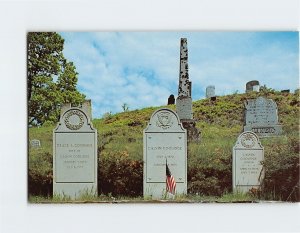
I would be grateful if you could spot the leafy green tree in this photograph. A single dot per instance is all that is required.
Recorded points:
(46, 62)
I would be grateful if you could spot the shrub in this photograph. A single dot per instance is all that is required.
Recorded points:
(120, 175)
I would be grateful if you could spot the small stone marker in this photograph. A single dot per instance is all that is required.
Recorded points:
(210, 91)
(252, 86)
(262, 117)
(171, 100)
(35, 143)
(165, 140)
(247, 163)
(74, 154)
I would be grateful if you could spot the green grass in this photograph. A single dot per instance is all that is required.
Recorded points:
(226, 198)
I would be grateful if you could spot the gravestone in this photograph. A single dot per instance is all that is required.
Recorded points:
(35, 143)
(252, 86)
(261, 117)
(171, 100)
(210, 91)
(247, 163)
(74, 154)
(184, 99)
(165, 141)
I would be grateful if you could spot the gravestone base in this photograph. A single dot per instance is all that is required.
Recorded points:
(74, 190)
(157, 191)
(193, 134)
(264, 131)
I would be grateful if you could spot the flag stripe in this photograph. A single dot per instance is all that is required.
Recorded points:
(170, 181)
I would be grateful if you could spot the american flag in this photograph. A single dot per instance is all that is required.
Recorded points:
(170, 181)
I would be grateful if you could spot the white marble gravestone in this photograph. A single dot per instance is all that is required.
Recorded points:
(165, 139)
(35, 143)
(247, 163)
(261, 117)
(210, 91)
(74, 154)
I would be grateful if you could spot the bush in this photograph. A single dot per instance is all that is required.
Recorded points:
(40, 175)
(120, 175)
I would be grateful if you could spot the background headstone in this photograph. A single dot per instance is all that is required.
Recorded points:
(35, 143)
(252, 86)
(261, 117)
(210, 91)
(247, 163)
(164, 139)
(74, 154)
(171, 100)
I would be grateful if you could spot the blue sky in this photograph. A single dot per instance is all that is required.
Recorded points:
(142, 68)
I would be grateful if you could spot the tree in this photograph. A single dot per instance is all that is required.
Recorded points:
(125, 107)
(46, 61)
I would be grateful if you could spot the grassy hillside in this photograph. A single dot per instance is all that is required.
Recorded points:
(120, 150)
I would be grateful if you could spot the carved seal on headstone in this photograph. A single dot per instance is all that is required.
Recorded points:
(164, 120)
(74, 120)
(248, 140)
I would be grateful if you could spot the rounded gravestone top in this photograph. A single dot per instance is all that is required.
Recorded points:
(164, 120)
(73, 120)
(248, 140)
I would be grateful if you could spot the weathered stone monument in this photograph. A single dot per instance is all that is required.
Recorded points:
(184, 99)
(35, 143)
(74, 154)
(171, 100)
(210, 91)
(261, 117)
(247, 163)
(252, 86)
(165, 141)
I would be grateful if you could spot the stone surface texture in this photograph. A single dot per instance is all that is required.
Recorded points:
(164, 141)
(247, 163)
(74, 154)
(261, 117)
(210, 91)
(252, 86)
(184, 101)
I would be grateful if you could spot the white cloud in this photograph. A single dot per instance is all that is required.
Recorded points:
(141, 69)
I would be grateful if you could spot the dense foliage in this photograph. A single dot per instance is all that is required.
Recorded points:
(46, 63)
(120, 151)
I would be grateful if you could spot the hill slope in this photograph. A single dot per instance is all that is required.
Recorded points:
(120, 150)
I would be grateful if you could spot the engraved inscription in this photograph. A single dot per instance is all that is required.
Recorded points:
(161, 151)
(75, 158)
(248, 168)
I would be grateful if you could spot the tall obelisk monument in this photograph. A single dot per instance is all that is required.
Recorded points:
(184, 99)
